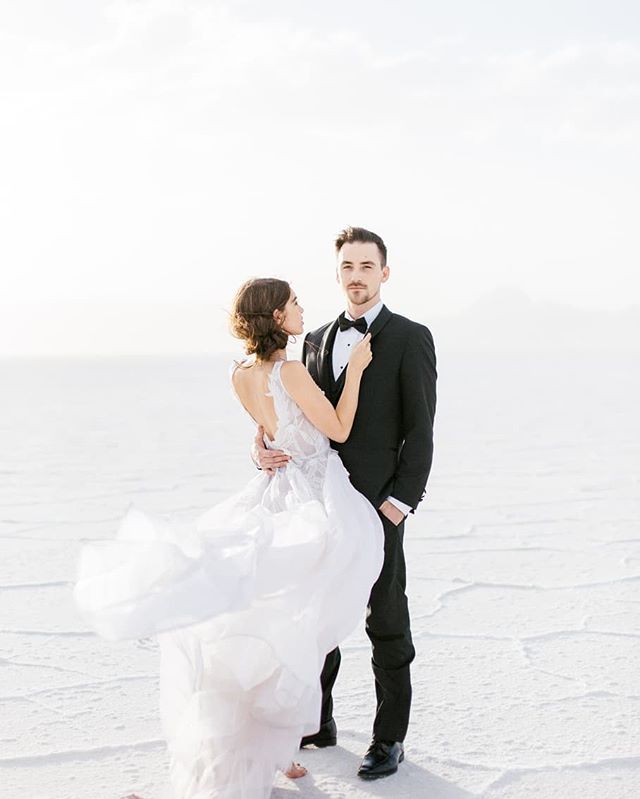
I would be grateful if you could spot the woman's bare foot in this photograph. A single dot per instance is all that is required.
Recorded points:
(295, 771)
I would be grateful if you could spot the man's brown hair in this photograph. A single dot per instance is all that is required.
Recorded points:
(350, 234)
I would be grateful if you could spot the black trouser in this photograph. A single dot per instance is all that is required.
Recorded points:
(388, 628)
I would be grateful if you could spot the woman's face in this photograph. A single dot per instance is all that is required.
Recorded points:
(292, 322)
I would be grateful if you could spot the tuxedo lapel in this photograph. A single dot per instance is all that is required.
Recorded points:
(376, 326)
(380, 321)
(325, 365)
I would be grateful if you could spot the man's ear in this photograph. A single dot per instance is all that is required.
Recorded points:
(385, 273)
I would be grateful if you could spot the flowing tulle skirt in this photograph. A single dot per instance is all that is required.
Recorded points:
(246, 604)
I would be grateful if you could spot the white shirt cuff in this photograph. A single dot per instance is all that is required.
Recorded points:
(406, 509)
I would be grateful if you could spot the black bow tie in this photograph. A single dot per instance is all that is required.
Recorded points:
(359, 324)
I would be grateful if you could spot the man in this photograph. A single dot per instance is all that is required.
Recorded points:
(388, 456)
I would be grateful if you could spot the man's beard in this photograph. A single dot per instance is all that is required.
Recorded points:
(362, 298)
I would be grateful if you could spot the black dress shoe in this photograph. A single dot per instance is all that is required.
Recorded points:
(382, 759)
(327, 735)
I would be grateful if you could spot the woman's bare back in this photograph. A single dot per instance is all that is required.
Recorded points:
(251, 385)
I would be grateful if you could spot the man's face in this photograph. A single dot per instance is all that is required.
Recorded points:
(360, 271)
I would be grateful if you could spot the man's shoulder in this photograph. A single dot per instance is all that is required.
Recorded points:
(409, 326)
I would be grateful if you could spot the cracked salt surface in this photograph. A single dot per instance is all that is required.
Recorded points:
(524, 580)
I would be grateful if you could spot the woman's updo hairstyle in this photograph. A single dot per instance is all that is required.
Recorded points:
(252, 318)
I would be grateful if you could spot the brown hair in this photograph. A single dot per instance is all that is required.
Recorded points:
(350, 234)
(252, 318)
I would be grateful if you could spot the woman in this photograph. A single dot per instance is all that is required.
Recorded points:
(247, 604)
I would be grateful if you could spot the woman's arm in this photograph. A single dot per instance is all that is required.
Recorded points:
(335, 423)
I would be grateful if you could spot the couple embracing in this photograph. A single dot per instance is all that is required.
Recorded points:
(251, 603)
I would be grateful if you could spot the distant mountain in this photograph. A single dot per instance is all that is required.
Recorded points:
(508, 320)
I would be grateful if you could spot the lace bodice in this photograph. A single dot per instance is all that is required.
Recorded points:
(308, 447)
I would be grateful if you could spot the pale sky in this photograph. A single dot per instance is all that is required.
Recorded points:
(155, 154)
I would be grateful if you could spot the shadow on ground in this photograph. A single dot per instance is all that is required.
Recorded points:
(332, 775)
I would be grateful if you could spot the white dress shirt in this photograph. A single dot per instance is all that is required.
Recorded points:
(344, 342)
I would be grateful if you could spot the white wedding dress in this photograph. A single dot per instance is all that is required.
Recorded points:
(246, 604)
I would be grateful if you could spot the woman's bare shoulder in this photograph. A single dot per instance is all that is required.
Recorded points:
(294, 373)
(293, 366)
(294, 369)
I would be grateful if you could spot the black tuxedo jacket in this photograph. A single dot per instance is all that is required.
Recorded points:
(390, 449)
